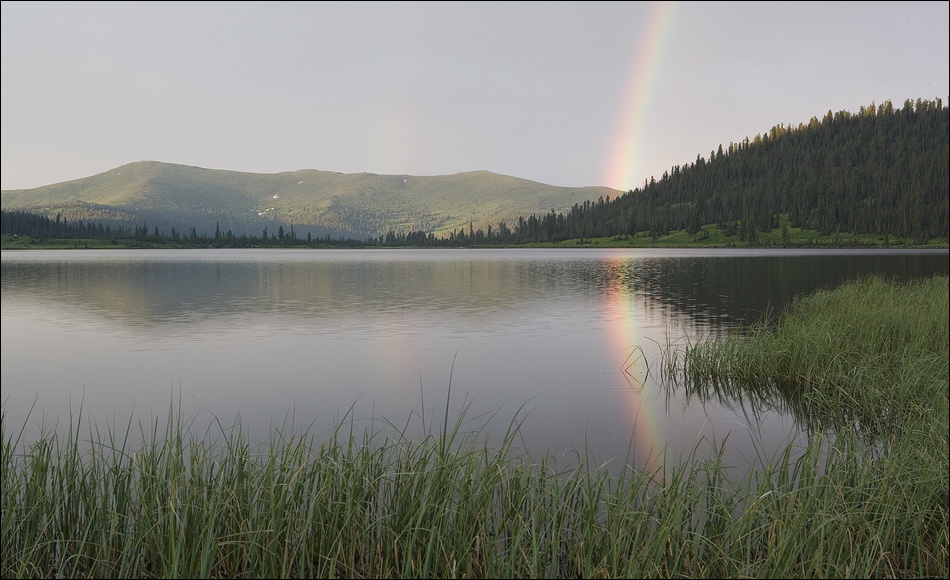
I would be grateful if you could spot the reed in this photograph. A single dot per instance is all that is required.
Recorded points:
(360, 507)
(872, 353)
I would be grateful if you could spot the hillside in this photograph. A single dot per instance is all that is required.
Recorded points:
(167, 196)
(881, 171)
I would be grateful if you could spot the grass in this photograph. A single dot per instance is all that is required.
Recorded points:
(871, 353)
(715, 237)
(211, 503)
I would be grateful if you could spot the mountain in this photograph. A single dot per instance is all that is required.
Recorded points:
(166, 196)
(882, 171)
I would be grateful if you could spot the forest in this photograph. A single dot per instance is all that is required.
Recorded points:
(882, 171)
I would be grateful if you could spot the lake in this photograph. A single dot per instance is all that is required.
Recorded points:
(567, 341)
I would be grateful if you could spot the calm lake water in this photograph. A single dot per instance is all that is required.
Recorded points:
(566, 340)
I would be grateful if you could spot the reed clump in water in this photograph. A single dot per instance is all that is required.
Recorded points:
(446, 505)
(872, 352)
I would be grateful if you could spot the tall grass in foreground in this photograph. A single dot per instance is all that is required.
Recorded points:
(380, 505)
(298, 508)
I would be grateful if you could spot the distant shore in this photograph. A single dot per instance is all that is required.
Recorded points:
(799, 239)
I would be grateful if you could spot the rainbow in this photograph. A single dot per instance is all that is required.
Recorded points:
(396, 128)
(625, 334)
(623, 169)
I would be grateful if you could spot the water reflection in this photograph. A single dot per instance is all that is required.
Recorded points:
(577, 334)
(752, 400)
(181, 287)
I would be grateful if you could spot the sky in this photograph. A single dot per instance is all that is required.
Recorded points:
(562, 93)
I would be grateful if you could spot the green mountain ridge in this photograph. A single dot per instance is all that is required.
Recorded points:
(166, 196)
(882, 171)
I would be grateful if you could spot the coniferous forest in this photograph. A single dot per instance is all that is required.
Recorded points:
(881, 171)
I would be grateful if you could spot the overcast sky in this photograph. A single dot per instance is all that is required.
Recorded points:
(569, 94)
